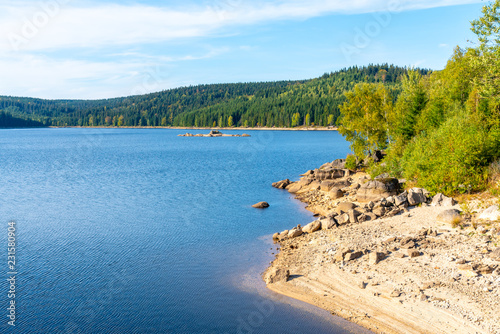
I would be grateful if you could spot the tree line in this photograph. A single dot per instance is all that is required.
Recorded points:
(264, 104)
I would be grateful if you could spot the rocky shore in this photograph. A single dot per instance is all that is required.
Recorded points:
(390, 259)
(213, 133)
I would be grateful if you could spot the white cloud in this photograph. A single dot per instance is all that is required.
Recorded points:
(29, 29)
(443, 45)
(49, 78)
(42, 26)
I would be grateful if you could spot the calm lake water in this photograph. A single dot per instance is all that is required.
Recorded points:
(141, 231)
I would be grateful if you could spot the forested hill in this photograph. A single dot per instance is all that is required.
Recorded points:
(280, 104)
(8, 121)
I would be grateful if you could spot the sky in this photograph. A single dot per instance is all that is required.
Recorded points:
(70, 49)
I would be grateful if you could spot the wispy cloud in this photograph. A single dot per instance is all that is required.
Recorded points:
(98, 25)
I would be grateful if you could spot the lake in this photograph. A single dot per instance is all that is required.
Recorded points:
(141, 231)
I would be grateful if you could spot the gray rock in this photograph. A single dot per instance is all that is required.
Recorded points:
(353, 256)
(413, 253)
(390, 200)
(295, 232)
(339, 255)
(343, 219)
(376, 190)
(492, 213)
(283, 235)
(261, 205)
(327, 185)
(449, 217)
(441, 200)
(312, 227)
(282, 184)
(416, 196)
(315, 185)
(379, 212)
(329, 174)
(328, 223)
(375, 257)
(277, 275)
(495, 255)
(370, 216)
(294, 187)
(344, 207)
(353, 215)
(336, 193)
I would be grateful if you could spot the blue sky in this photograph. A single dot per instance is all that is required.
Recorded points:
(103, 49)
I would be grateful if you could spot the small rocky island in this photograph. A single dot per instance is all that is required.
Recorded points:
(213, 133)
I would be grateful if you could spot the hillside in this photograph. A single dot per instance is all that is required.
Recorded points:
(281, 103)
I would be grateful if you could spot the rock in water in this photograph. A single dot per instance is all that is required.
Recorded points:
(277, 275)
(449, 217)
(282, 184)
(261, 205)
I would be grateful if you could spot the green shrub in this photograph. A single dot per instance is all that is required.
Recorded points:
(350, 162)
(453, 158)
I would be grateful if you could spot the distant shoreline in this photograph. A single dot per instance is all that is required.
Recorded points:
(319, 128)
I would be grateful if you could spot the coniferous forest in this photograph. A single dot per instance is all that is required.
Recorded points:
(266, 104)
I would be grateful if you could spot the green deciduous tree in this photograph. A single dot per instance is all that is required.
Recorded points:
(364, 117)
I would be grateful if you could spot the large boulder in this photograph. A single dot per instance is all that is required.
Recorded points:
(294, 187)
(416, 196)
(344, 207)
(261, 205)
(283, 235)
(375, 257)
(282, 184)
(336, 193)
(401, 198)
(328, 223)
(492, 213)
(295, 232)
(441, 200)
(327, 185)
(378, 189)
(312, 227)
(353, 215)
(343, 219)
(276, 275)
(449, 217)
(329, 174)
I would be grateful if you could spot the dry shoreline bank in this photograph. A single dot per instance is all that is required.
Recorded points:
(405, 271)
(195, 128)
